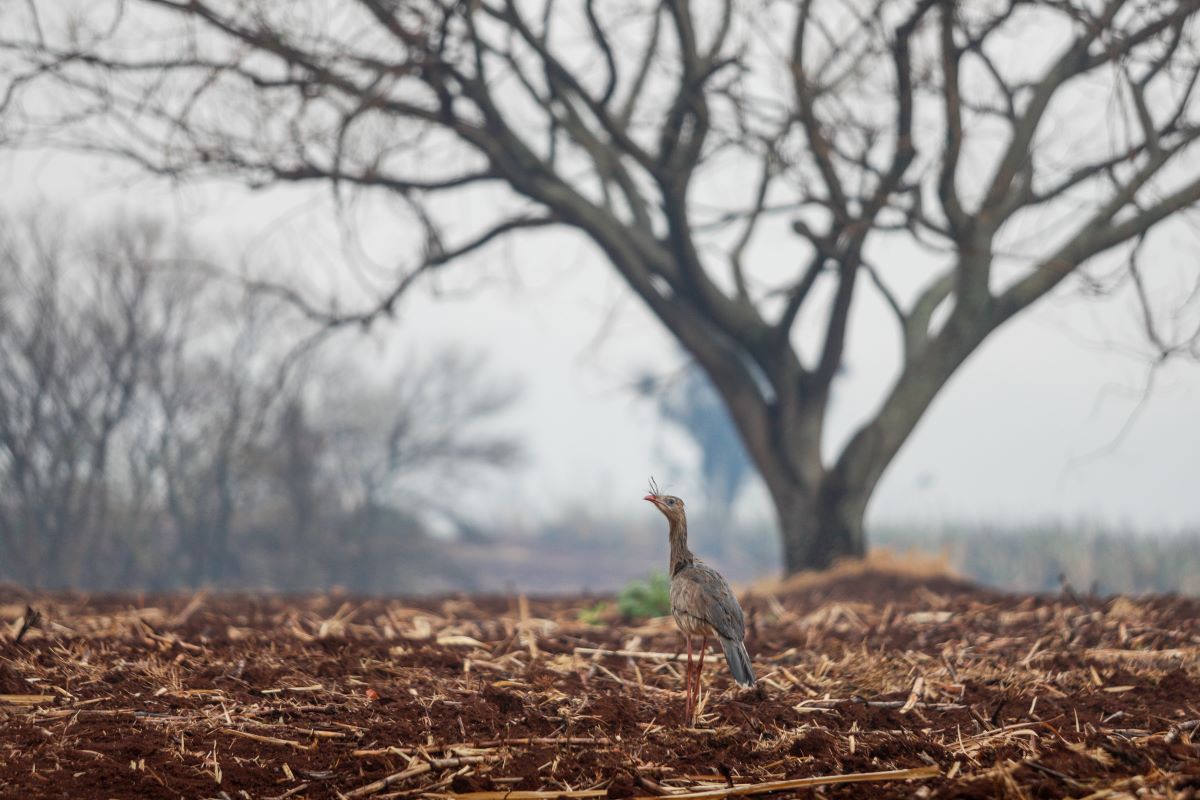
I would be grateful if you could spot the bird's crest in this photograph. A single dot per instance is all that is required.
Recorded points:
(654, 487)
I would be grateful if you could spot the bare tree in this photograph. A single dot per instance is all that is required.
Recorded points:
(216, 397)
(690, 403)
(867, 126)
(159, 427)
(378, 460)
(428, 427)
(77, 331)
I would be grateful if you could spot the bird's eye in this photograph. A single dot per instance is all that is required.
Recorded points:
(671, 502)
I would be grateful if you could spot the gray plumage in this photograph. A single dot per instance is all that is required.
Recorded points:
(704, 605)
(701, 601)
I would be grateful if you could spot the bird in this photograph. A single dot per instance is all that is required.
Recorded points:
(701, 602)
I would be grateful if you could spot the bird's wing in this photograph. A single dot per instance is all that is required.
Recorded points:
(706, 595)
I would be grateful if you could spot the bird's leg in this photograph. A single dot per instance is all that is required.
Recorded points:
(700, 667)
(688, 701)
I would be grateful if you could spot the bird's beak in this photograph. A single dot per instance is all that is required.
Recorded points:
(651, 498)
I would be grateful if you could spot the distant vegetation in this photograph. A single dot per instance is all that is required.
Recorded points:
(161, 428)
(1093, 558)
(599, 555)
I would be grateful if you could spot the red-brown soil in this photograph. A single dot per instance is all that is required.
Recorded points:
(245, 696)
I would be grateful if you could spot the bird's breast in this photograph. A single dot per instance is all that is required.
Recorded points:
(691, 625)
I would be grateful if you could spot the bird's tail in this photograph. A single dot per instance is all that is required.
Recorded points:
(739, 661)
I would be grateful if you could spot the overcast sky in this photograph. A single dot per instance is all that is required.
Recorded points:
(1049, 419)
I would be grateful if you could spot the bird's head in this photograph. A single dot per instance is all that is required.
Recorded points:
(669, 505)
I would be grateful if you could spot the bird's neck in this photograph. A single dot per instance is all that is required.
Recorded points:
(680, 555)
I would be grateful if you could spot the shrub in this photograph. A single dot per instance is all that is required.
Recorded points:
(648, 598)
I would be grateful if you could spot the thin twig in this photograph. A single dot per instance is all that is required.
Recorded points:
(269, 739)
(412, 770)
(648, 655)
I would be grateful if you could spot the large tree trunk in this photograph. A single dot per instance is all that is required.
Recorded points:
(817, 528)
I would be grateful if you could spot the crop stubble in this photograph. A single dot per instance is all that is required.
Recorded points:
(975, 693)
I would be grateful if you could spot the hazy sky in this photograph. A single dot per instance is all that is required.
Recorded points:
(1046, 420)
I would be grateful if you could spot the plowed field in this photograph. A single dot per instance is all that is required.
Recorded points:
(909, 685)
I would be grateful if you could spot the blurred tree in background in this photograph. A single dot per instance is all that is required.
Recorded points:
(77, 343)
(155, 432)
(688, 401)
(1000, 145)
